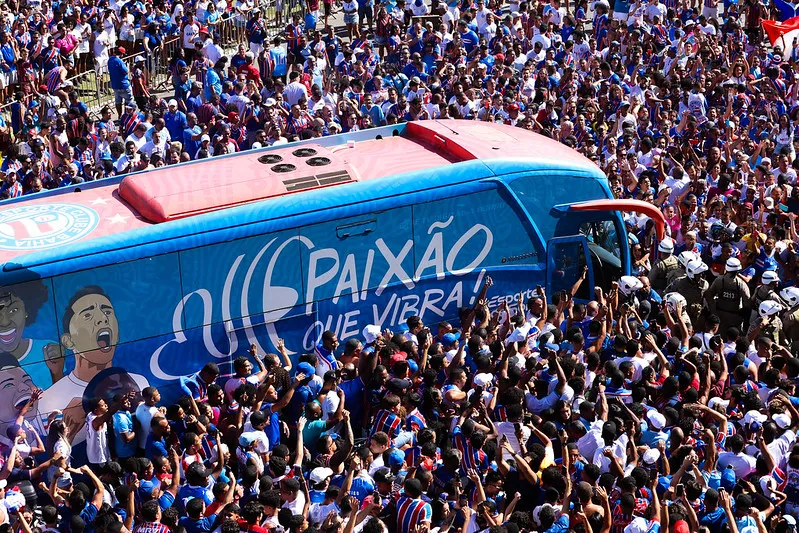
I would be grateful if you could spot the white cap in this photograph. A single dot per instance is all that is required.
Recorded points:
(782, 420)
(656, 420)
(651, 456)
(717, 401)
(371, 333)
(666, 245)
(172, 103)
(768, 202)
(754, 416)
(483, 379)
(204, 138)
(733, 265)
(255, 145)
(138, 59)
(319, 474)
(769, 276)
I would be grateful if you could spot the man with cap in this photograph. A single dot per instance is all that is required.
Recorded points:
(654, 433)
(139, 82)
(120, 81)
(767, 290)
(728, 296)
(175, 120)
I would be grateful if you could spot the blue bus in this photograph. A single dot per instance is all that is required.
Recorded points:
(138, 280)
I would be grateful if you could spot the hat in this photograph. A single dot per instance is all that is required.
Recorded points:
(450, 338)
(483, 379)
(247, 438)
(754, 416)
(270, 102)
(371, 333)
(130, 105)
(172, 103)
(651, 456)
(656, 420)
(782, 420)
(681, 526)
(306, 368)
(205, 138)
(396, 458)
(320, 474)
(728, 478)
(398, 384)
(138, 59)
(768, 202)
(122, 50)
(766, 160)
(384, 475)
(415, 80)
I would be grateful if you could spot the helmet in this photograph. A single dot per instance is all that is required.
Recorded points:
(695, 268)
(733, 265)
(790, 295)
(769, 308)
(630, 284)
(719, 233)
(674, 298)
(769, 276)
(666, 246)
(686, 257)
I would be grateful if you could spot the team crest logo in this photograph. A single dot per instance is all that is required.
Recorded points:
(38, 227)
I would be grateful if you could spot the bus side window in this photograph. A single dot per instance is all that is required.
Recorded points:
(462, 234)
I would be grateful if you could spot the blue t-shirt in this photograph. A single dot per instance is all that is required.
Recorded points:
(123, 423)
(118, 72)
(203, 525)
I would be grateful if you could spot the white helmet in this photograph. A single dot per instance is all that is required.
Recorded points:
(630, 284)
(674, 298)
(769, 277)
(686, 257)
(790, 295)
(733, 265)
(769, 308)
(666, 246)
(695, 268)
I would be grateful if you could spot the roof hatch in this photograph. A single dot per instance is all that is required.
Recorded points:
(218, 183)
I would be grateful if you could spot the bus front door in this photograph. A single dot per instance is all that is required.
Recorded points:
(567, 258)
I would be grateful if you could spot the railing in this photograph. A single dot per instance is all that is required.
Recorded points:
(94, 86)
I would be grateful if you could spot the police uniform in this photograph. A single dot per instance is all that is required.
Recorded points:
(727, 298)
(664, 269)
(760, 295)
(790, 328)
(693, 290)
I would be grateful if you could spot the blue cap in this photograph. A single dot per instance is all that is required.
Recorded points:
(450, 338)
(554, 347)
(728, 478)
(396, 458)
(306, 368)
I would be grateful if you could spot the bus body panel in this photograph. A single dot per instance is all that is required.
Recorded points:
(160, 302)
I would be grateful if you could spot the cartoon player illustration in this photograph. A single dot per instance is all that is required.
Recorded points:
(43, 359)
(91, 333)
(18, 396)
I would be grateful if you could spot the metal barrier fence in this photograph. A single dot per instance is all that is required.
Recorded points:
(94, 85)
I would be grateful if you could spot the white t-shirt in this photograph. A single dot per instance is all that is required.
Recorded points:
(144, 415)
(96, 442)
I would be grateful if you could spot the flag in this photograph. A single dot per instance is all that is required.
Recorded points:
(775, 30)
(787, 9)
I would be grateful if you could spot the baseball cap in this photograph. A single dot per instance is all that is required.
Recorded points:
(656, 420)
(651, 456)
(205, 138)
(384, 475)
(306, 368)
(320, 474)
(396, 458)
(138, 59)
(247, 438)
(172, 103)
(782, 420)
(450, 338)
(416, 80)
(728, 478)
(398, 384)
(370, 333)
(122, 50)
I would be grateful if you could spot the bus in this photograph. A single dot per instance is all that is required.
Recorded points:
(138, 280)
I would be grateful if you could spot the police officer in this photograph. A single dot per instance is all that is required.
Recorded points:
(666, 269)
(769, 324)
(692, 286)
(728, 296)
(767, 291)
(790, 318)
